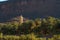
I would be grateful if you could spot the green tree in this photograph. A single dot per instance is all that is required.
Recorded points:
(38, 22)
(52, 24)
(27, 27)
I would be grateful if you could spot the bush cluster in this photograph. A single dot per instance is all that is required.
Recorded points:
(38, 26)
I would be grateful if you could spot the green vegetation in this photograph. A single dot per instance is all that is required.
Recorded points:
(38, 29)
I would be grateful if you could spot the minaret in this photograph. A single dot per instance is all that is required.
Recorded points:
(21, 19)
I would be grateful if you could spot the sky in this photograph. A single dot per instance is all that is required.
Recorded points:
(3, 0)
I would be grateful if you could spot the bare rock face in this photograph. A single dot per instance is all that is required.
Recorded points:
(28, 8)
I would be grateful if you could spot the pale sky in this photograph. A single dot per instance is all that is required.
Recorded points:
(3, 0)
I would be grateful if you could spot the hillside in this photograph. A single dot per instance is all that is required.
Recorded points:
(29, 8)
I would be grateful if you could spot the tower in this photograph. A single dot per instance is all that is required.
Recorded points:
(21, 19)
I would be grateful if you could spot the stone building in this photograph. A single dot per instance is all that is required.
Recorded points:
(21, 19)
(18, 19)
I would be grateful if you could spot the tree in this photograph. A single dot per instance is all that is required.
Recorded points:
(52, 24)
(38, 22)
(26, 27)
(44, 27)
